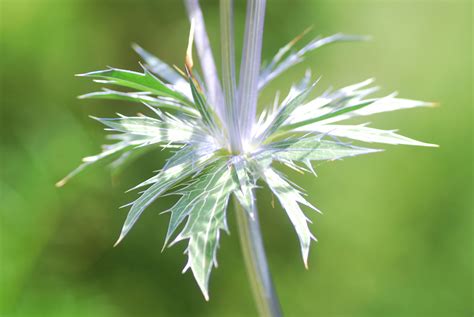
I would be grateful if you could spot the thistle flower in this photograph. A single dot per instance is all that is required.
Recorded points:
(222, 147)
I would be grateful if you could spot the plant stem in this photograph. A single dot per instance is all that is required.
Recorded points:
(256, 262)
(250, 66)
(229, 81)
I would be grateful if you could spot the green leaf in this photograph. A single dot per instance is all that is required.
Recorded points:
(180, 166)
(191, 157)
(290, 198)
(346, 103)
(245, 185)
(207, 114)
(139, 81)
(141, 97)
(127, 142)
(285, 59)
(204, 202)
(158, 67)
(299, 87)
(382, 105)
(329, 115)
(362, 133)
(286, 110)
(309, 148)
(171, 131)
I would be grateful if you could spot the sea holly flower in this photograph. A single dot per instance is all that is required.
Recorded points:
(222, 148)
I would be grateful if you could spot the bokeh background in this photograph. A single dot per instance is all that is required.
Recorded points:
(396, 237)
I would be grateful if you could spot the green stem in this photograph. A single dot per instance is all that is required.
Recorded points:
(228, 74)
(250, 65)
(256, 263)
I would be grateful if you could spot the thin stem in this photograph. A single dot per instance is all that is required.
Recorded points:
(214, 90)
(250, 66)
(256, 262)
(228, 73)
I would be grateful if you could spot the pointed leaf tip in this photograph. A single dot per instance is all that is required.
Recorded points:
(60, 183)
(206, 295)
(118, 240)
(189, 51)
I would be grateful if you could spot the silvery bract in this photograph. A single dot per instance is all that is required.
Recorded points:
(221, 146)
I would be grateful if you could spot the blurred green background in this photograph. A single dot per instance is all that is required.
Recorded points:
(396, 237)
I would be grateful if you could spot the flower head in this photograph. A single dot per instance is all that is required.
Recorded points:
(221, 146)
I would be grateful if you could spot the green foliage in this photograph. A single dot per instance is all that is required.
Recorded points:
(313, 148)
(285, 58)
(245, 182)
(290, 198)
(140, 81)
(143, 97)
(181, 165)
(204, 203)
